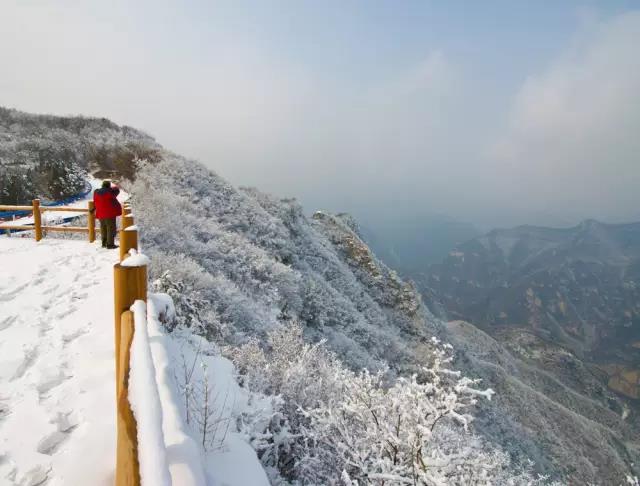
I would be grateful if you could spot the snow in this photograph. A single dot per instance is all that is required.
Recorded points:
(161, 308)
(146, 405)
(131, 228)
(135, 259)
(182, 452)
(228, 459)
(57, 390)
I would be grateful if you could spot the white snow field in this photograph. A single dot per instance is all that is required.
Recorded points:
(57, 389)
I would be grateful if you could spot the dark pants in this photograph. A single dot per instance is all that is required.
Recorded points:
(108, 231)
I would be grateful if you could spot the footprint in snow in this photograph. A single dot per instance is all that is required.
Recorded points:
(28, 358)
(7, 321)
(36, 476)
(70, 310)
(4, 412)
(48, 383)
(49, 444)
(44, 327)
(12, 293)
(50, 290)
(68, 338)
(65, 421)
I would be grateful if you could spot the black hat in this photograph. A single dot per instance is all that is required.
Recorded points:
(106, 183)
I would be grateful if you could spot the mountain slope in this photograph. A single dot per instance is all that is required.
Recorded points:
(240, 264)
(258, 260)
(579, 287)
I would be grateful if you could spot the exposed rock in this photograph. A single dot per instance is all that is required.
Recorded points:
(623, 380)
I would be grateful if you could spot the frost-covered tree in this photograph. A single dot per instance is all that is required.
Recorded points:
(192, 310)
(337, 426)
(57, 152)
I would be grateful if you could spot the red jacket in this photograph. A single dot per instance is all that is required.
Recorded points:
(107, 206)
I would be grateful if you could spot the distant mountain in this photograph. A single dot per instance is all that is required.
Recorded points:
(578, 287)
(410, 246)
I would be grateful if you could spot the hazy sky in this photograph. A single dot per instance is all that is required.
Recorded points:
(496, 112)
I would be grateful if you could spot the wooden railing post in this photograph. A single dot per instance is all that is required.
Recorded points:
(130, 284)
(127, 220)
(127, 464)
(91, 222)
(37, 220)
(128, 240)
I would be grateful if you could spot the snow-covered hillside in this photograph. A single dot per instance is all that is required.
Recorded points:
(294, 345)
(49, 156)
(260, 280)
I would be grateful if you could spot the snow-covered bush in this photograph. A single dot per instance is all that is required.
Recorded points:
(337, 426)
(192, 310)
(257, 260)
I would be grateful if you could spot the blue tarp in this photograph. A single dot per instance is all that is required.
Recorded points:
(10, 214)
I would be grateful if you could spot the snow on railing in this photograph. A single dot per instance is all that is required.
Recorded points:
(183, 453)
(145, 403)
(130, 286)
(152, 447)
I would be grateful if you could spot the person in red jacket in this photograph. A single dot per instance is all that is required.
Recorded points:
(107, 210)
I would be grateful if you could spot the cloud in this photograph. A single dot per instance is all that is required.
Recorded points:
(572, 143)
(410, 136)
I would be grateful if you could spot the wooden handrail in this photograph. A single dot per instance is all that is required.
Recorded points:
(16, 227)
(38, 228)
(127, 464)
(64, 208)
(130, 284)
(15, 208)
(70, 209)
(70, 229)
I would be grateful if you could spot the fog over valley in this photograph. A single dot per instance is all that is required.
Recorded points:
(493, 115)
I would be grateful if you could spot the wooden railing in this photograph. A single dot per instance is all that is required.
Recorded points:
(37, 226)
(130, 284)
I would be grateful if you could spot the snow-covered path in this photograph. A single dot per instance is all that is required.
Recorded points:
(57, 391)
